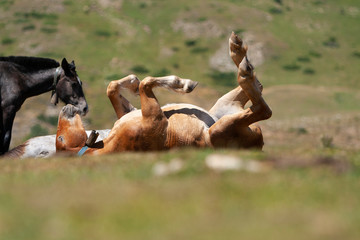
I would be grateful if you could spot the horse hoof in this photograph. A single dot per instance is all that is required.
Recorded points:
(189, 85)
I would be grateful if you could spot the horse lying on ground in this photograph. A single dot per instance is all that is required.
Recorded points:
(24, 77)
(226, 124)
(43, 146)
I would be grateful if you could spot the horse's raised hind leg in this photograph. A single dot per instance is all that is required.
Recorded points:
(232, 102)
(235, 100)
(120, 104)
(236, 130)
(154, 122)
(237, 49)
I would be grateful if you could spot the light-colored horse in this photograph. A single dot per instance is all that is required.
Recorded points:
(227, 124)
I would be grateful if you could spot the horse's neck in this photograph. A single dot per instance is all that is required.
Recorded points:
(40, 82)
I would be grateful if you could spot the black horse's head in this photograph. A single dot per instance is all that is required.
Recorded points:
(69, 87)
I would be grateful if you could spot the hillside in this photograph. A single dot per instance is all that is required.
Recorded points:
(307, 43)
(304, 185)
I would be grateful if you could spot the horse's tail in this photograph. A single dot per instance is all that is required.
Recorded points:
(16, 152)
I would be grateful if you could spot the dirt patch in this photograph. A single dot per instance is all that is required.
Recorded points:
(115, 4)
(222, 62)
(336, 164)
(50, 6)
(192, 30)
(314, 132)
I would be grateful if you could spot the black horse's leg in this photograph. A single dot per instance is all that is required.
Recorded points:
(2, 133)
(8, 120)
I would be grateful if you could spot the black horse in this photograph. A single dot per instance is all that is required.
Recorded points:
(24, 77)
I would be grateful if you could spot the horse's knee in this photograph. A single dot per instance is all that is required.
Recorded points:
(266, 113)
(146, 82)
(130, 82)
(112, 89)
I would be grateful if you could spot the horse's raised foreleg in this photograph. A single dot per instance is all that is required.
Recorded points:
(121, 105)
(236, 130)
(154, 122)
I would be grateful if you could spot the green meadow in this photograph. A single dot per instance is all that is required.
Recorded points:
(307, 56)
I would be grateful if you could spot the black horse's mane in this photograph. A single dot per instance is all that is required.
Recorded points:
(31, 64)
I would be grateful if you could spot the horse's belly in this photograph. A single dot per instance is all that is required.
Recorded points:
(186, 130)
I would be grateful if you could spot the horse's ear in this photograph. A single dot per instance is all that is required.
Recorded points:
(66, 66)
(72, 65)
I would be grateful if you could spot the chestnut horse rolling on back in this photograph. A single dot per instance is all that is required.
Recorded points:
(226, 124)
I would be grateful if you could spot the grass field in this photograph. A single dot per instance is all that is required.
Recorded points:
(306, 55)
(119, 197)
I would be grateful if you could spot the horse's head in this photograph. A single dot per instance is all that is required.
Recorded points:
(69, 88)
(70, 132)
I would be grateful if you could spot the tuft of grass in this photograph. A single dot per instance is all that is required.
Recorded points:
(162, 72)
(331, 42)
(275, 10)
(303, 59)
(345, 99)
(142, 5)
(318, 2)
(199, 50)
(5, 4)
(202, 19)
(190, 43)
(227, 79)
(356, 54)
(315, 54)
(103, 33)
(52, 120)
(291, 67)
(50, 22)
(141, 69)
(28, 27)
(37, 130)
(327, 142)
(309, 71)
(175, 49)
(299, 130)
(48, 30)
(7, 41)
(239, 30)
(114, 76)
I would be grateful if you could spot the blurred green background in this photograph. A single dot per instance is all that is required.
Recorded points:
(306, 54)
